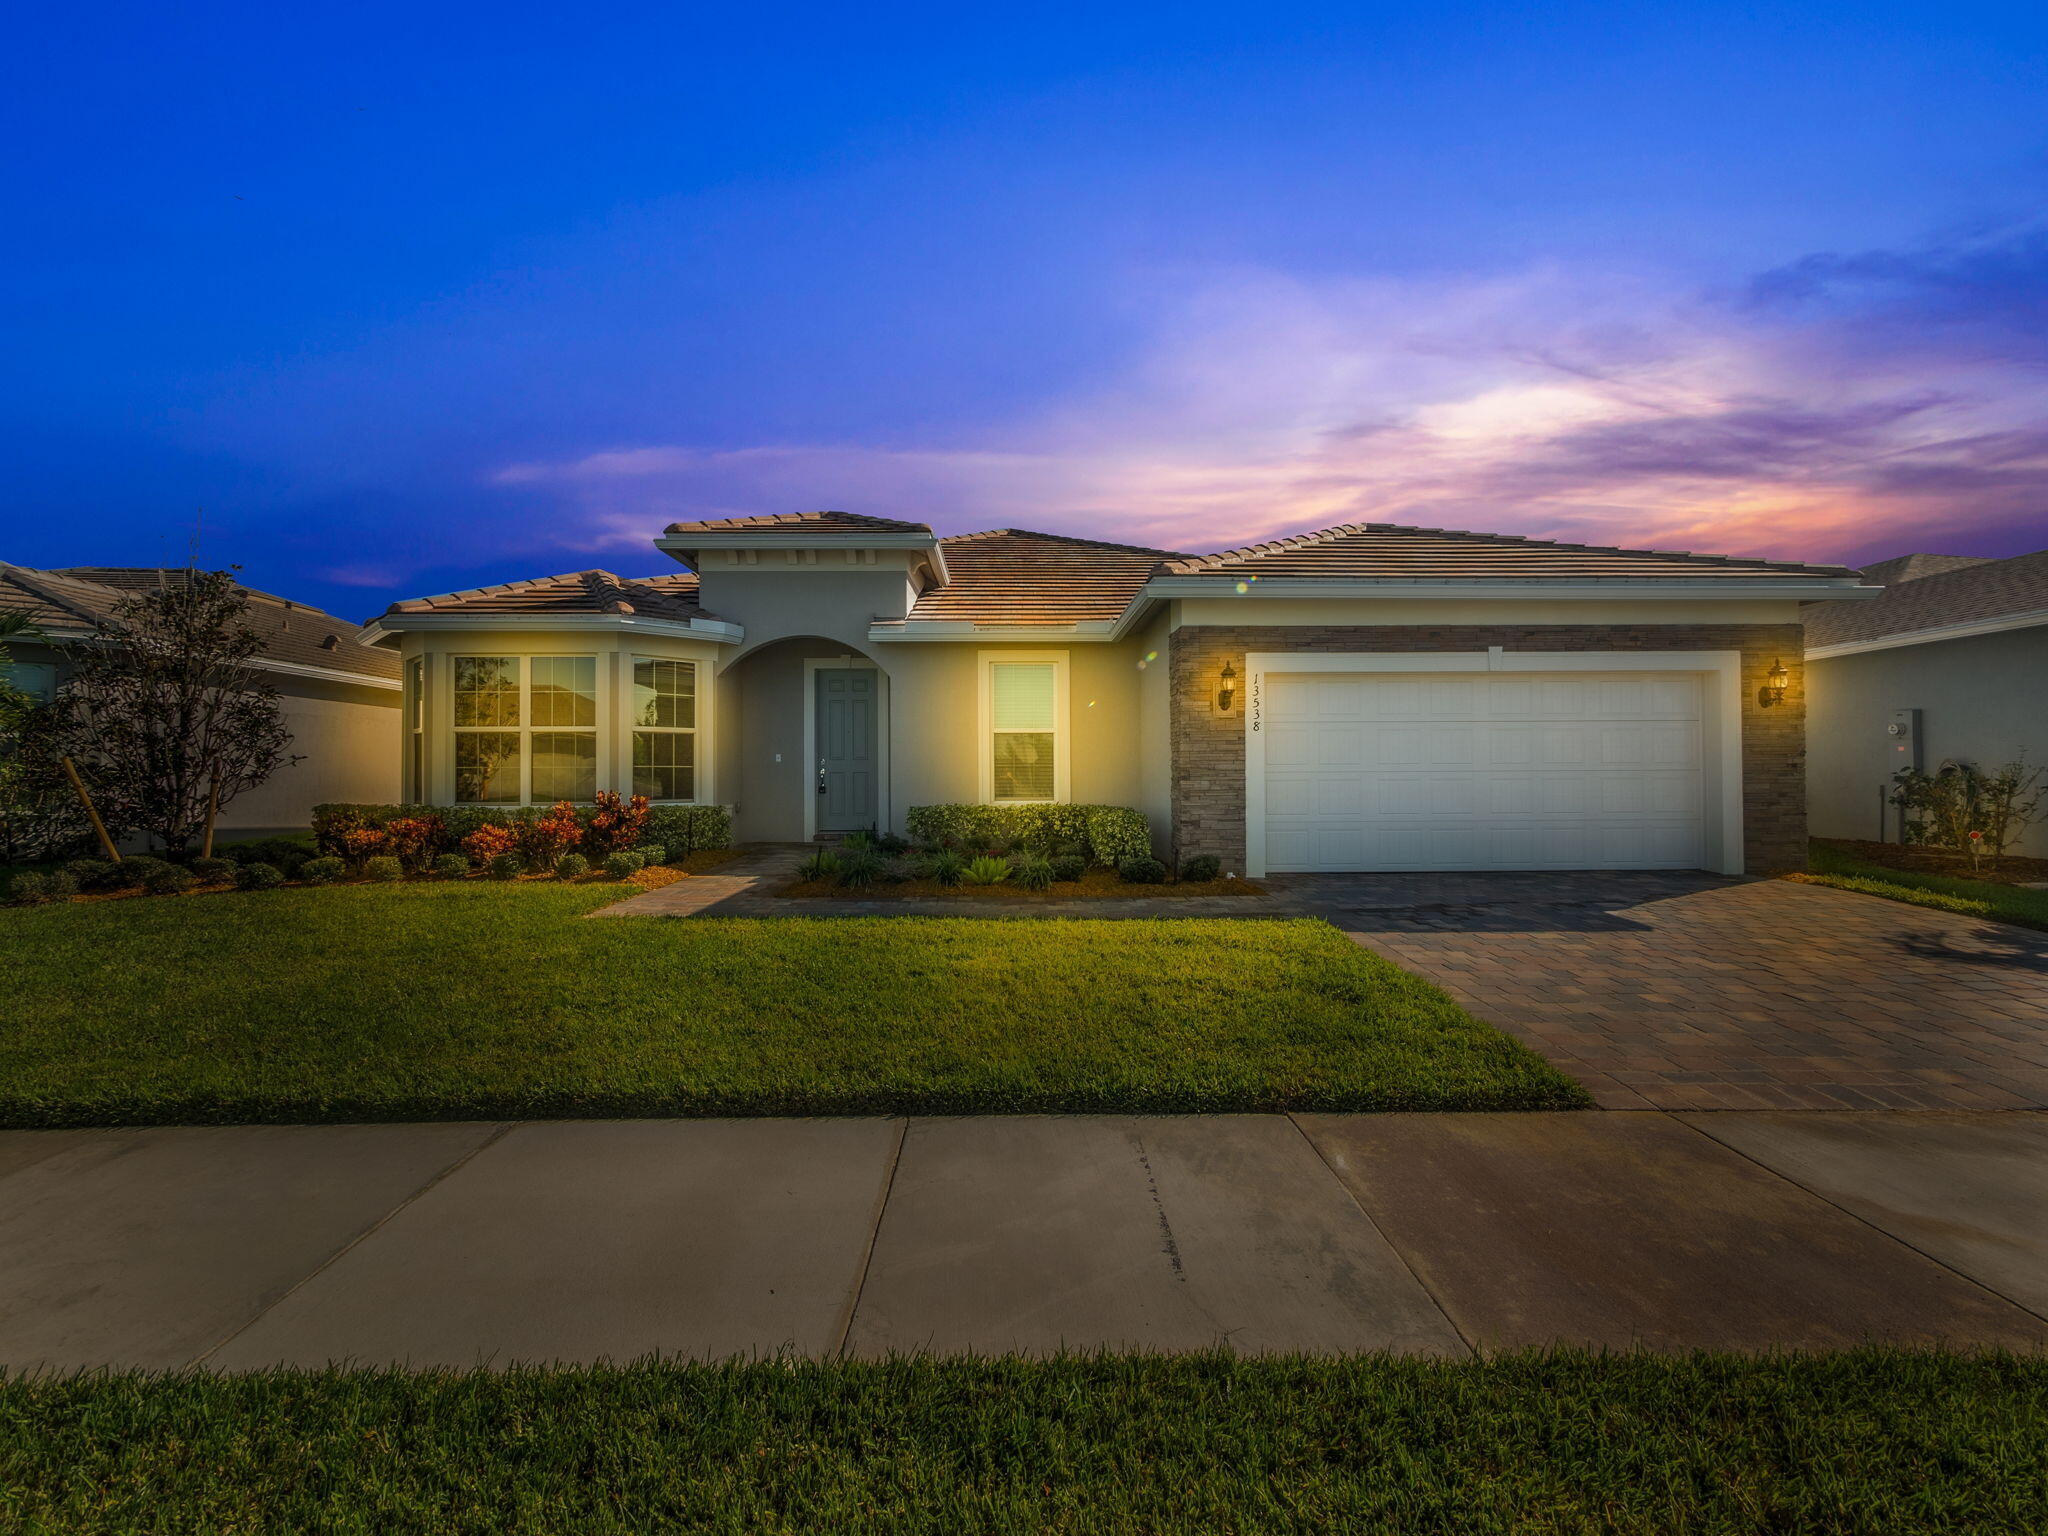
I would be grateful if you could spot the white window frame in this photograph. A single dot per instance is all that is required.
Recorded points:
(699, 737)
(1062, 725)
(415, 704)
(526, 729)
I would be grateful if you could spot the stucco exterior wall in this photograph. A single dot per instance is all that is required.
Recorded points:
(348, 738)
(1983, 700)
(1208, 745)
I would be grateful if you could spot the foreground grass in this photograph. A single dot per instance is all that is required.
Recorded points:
(1945, 893)
(1872, 1441)
(481, 1000)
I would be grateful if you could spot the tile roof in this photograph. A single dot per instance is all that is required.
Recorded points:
(824, 522)
(1986, 589)
(1014, 576)
(74, 602)
(671, 597)
(1392, 552)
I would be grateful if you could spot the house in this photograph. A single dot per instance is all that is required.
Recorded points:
(339, 694)
(1950, 663)
(1365, 697)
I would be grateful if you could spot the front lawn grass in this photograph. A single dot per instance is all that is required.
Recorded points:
(1869, 1441)
(1946, 893)
(481, 1000)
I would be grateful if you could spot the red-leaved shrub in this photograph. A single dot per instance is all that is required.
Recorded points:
(413, 838)
(543, 839)
(487, 842)
(616, 824)
(360, 843)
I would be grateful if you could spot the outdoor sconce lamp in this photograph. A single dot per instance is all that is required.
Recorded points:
(1776, 681)
(1226, 690)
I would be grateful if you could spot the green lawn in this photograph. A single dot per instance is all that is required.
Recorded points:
(480, 1000)
(1878, 1442)
(1947, 893)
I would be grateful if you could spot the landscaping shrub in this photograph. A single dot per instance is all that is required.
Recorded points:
(861, 867)
(327, 868)
(1202, 867)
(857, 842)
(449, 866)
(823, 865)
(414, 839)
(385, 866)
(261, 877)
(505, 866)
(98, 874)
(488, 842)
(28, 888)
(890, 843)
(160, 878)
(359, 844)
(1966, 810)
(616, 825)
(621, 864)
(1033, 871)
(986, 870)
(571, 865)
(213, 871)
(1109, 833)
(652, 853)
(1145, 871)
(1069, 866)
(544, 838)
(687, 829)
(287, 853)
(942, 867)
(59, 886)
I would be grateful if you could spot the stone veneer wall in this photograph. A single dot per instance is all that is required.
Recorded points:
(1208, 747)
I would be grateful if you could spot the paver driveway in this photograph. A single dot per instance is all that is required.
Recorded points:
(1697, 992)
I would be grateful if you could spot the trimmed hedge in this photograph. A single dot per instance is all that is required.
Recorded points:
(679, 829)
(1110, 833)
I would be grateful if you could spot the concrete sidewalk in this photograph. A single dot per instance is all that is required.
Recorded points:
(579, 1240)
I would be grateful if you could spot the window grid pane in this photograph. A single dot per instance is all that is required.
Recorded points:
(486, 690)
(664, 765)
(665, 694)
(487, 767)
(565, 690)
(564, 766)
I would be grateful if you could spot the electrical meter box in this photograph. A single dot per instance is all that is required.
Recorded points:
(1902, 737)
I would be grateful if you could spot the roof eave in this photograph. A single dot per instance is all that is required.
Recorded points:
(954, 631)
(1789, 588)
(386, 628)
(1932, 635)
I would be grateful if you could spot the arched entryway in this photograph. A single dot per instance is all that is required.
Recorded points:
(811, 752)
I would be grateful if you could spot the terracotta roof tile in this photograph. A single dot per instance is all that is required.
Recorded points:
(1391, 552)
(672, 597)
(74, 602)
(830, 522)
(1987, 589)
(1013, 576)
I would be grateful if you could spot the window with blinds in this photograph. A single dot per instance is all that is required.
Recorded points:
(1022, 700)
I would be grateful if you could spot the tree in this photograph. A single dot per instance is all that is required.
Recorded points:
(164, 714)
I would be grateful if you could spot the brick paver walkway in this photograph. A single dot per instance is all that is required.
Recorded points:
(1690, 992)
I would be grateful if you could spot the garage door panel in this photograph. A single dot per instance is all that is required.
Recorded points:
(1484, 772)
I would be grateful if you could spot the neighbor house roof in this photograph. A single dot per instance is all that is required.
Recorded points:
(671, 597)
(1979, 593)
(1392, 552)
(72, 604)
(1912, 567)
(839, 522)
(1014, 576)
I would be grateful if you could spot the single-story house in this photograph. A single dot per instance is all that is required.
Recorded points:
(339, 694)
(1950, 663)
(1367, 697)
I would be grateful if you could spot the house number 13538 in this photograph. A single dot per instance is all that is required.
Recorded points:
(1258, 700)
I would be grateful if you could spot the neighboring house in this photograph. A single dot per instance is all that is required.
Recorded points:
(1954, 655)
(1367, 697)
(339, 694)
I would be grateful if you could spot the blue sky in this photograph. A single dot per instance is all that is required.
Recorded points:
(412, 302)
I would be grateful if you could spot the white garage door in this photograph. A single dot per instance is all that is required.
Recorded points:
(1570, 770)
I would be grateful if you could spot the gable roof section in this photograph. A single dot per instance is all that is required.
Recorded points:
(1912, 567)
(1979, 593)
(1393, 552)
(1014, 576)
(673, 598)
(794, 522)
(73, 604)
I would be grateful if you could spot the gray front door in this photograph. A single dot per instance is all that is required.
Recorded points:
(844, 774)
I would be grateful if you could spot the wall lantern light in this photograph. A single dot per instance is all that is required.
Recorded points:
(1776, 681)
(1226, 690)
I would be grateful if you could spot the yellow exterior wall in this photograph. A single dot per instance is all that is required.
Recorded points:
(347, 737)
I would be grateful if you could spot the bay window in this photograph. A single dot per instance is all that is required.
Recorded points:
(525, 729)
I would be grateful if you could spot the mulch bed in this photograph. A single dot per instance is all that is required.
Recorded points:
(1096, 885)
(2010, 870)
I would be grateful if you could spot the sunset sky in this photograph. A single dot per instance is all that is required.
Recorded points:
(416, 298)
